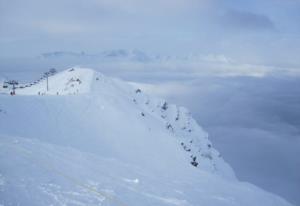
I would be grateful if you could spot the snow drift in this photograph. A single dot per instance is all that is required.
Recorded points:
(93, 140)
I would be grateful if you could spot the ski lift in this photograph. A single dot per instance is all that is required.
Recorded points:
(52, 71)
(13, 83)
(5, 85)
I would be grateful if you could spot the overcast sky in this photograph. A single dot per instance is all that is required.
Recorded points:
(249, 31)
(254, 121)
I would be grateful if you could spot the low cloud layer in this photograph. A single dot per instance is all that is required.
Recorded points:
(138, 65)
(253, 122)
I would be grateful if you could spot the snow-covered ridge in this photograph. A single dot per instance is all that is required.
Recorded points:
(93, 140)
(176, 120)
(193, 139)
(71, 81)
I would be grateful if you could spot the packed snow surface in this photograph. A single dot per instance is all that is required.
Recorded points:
(93, 140)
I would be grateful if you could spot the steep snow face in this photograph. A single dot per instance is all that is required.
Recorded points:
(193, 139)
(90, 138)
(113, 94)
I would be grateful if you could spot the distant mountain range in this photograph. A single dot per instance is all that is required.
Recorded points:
(120, 54)
(135, 56)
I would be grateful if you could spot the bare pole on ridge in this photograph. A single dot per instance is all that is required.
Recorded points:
(51, 72)
(47, 84)
(47, 75)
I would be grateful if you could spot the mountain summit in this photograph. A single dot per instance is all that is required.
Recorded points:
(80, 138)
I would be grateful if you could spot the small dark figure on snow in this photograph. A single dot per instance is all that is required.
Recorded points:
(193, 162)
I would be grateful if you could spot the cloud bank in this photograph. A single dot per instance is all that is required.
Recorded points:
(251, 32)
(253, 122)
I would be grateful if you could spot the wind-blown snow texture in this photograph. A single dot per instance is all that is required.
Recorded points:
(92, 140)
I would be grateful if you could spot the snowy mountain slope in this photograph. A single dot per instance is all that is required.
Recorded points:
(193, 139)
(66, 82)
(38, 173)
(104, 93)
(91, 127)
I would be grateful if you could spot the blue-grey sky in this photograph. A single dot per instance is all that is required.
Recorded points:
(249, 32)
(207, 49)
